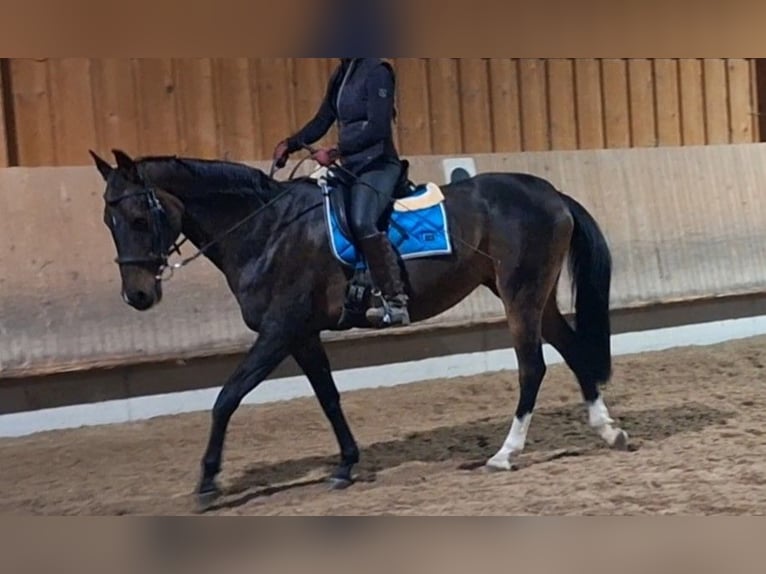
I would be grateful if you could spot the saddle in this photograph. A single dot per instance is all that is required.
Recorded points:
(339, 186)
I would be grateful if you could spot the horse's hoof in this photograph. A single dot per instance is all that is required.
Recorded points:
(498, 465)
(621, 441)
(339, 483)
(206, 498)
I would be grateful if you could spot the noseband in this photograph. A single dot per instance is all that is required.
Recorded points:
(159, 224)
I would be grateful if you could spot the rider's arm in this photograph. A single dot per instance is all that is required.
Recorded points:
(318, 126)
(380, 110)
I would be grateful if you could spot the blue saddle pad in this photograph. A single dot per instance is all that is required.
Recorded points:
(414, 233)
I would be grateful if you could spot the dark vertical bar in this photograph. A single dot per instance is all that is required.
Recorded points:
(760, 78)
(9, 115)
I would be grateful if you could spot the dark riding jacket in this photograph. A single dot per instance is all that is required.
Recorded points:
(360, 96)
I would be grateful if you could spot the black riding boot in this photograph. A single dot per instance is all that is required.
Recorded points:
(391, 308)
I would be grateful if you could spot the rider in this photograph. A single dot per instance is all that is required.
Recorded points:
(360, 97)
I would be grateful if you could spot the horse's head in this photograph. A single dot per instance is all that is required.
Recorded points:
(144, 222)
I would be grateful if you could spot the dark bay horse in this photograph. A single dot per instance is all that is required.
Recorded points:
(516, 231)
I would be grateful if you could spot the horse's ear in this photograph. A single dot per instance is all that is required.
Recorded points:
(126, 164)
(102, 165)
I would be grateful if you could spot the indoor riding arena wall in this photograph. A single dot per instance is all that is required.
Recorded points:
(684, 224)
(55, 109)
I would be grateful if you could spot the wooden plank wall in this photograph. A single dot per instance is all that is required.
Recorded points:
(238, 108)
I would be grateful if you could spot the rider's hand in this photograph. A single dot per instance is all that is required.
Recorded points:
(281, 154)
(325, 157)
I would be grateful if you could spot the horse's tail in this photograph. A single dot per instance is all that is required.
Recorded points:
(590, 267)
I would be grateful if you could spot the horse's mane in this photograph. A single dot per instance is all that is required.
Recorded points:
(206, 176)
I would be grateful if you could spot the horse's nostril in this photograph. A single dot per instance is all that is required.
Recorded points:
(139, 299)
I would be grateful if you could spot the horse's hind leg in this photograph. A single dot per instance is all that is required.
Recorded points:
(560, 335)
(524, 324)
(524, 303)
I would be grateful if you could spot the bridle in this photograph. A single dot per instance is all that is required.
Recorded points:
(159, 224)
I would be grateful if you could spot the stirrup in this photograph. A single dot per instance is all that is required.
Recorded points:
(387, 319)
(387, 314)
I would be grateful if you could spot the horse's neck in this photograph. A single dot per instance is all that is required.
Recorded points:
(215, 227)
(209, 217)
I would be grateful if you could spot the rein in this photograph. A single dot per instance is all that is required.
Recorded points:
(165, 265)
(159, 219)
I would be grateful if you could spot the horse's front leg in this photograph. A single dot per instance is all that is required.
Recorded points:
(264, 356)
(312, 359)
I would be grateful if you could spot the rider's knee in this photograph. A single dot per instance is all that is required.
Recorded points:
(362, 229)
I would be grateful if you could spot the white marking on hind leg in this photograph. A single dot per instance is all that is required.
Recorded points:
(514, 443)
(599, 419)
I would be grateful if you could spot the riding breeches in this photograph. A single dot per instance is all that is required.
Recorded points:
(370, 195)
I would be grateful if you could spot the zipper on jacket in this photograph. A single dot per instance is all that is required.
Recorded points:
(343, 84)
